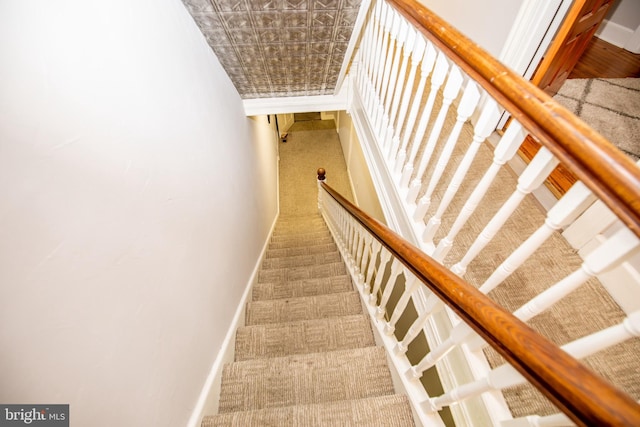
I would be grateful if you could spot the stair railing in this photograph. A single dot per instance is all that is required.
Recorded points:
(425, 102)
(382, 263)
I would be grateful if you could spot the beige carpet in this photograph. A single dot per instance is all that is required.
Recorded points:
(610, 106)
(311, 144)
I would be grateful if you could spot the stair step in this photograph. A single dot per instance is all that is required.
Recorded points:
(326, 257)
(301, 250)
(305, 379)
(307, 236)
(382, 411)
(301, 288)
(301, 273)
(323, 239)
(302, 225)
(303, 308)
(302, 337)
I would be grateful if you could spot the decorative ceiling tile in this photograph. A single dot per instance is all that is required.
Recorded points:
(351, 4)
(294, 35)
(325, 4)
(323, 18)
(321, 34)
(270, 19)
(198, 6)
(278, 47)
(295, 19)
(346, 18)
(243, 36)
(295, 4)
(229, 5)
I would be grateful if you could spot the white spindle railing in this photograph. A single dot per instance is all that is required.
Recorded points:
(414, 102)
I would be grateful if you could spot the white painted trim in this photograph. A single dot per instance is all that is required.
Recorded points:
(633, 44)
(295, 104)
(532, 31)
(355, 35)
(207, 403)
(614, 33)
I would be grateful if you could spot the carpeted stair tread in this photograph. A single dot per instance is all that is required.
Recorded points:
(305, 379)
(301, 288)
(308, 336)
(303, 308)
(301, 250)
(307, 235)
(326, 257)
(301, 240)
(302, 273)
(302, 225)
(381, 411)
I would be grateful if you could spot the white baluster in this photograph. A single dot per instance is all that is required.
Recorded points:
(505, 150)
(437, 79)
(468, 103)
(376, 248)
(483, 128)
(386, 28)
(564, 212)
(426, 65)
(506, 376)
(433, 305)
(380, 18)
(410, 287)
(385, 256)
(608, 255)
(391, 38)
(457, 335)
(396, 269)
(409, 36)
(533, 176)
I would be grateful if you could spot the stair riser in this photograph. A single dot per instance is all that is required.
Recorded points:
(301, 261)
(306, 308)
(302, 250)
(316, 378)
(301, 273)
(385, 411)
(282, 339)
(303, 288)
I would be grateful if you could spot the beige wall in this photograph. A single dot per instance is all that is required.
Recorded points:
(135, 198)
(362, 184)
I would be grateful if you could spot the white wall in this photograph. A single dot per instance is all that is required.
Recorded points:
(134, 203)
(487, 22)
(621, 26)
(362, 184)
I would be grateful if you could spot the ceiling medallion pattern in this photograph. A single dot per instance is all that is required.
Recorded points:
(278, 48)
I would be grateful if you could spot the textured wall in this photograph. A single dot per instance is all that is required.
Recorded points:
(135, 198)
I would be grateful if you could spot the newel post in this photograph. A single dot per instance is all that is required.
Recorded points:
(321, 178)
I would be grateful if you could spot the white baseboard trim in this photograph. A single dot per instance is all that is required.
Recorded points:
(209, 398)
(614, 33)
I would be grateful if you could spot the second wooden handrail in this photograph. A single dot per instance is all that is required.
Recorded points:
(610, 174)
(582, 395)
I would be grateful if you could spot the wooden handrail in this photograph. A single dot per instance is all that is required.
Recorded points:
(584, 396)
(609, 173)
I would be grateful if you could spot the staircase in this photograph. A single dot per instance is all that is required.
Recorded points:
(304, 329)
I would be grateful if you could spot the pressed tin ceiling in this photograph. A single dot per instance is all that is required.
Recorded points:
(278, 48)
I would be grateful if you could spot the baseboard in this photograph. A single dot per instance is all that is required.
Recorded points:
(614, 33)
(209, 398)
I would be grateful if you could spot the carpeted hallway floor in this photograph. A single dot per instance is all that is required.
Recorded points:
(310, 145)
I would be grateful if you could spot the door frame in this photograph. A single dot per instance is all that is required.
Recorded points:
(531, 34)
